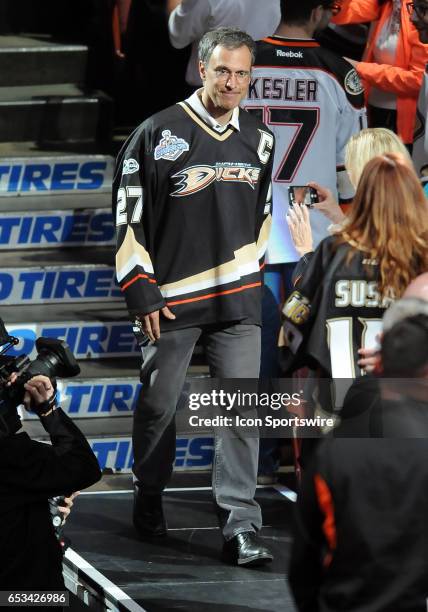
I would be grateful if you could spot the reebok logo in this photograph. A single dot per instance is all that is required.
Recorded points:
(296, 54)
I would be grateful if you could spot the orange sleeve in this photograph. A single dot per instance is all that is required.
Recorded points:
(357, 11)
(402, 81)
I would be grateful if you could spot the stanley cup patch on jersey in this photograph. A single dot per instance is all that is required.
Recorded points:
(353, 84)
(130, 166)
(170, 147)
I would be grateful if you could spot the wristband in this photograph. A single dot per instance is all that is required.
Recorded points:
(45, 414)
(47, 407)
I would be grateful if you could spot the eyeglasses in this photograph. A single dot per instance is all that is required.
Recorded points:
(334, 7)
(224, 75)
(421, 10)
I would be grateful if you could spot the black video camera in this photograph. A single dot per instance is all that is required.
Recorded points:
(54, 359)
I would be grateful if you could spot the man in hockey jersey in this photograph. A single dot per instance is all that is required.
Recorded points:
(192, 205)
(313, 102)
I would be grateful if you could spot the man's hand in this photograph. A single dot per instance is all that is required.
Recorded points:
(150, 322)
(38, 390)
(327, 204)
(68, 503)
(370, 358)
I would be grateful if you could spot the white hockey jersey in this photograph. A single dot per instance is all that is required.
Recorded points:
(313, 102)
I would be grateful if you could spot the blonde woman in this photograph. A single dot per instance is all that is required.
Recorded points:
(361, 148)
(367, 144)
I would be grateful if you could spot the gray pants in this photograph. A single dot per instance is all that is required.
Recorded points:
(232, 352)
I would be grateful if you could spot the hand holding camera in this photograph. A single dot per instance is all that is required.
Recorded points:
(60, 508)
(315, 196)
(38, 390)
(326, 203)
(54, 358)
(300, 228)
(302, 194)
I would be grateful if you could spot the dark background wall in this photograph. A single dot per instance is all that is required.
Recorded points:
(150, 78)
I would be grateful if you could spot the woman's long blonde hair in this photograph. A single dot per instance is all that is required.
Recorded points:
(369, 143)
(388, 220)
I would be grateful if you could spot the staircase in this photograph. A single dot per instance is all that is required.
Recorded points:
(56, 241)
(43, 100)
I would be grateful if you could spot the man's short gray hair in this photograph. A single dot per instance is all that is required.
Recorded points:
(230, 38)
(403, 309)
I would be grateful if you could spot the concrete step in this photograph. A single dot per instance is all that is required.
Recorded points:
(54, 113)
(105, 405)
(127, 368)
(109, 397)
(88, 340)
(16, 315)
(103, 408)
(90, 331)
(56, 201)
(101, 337)
(43, 277)
(87, 227)
(114, 453)
(45, 173)
(30, 61)
(32, 148)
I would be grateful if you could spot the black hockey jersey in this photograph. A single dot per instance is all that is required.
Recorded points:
(192, 209)
(335, 310)
(313, 101)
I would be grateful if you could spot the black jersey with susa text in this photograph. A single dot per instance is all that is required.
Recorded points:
(192, 209)
(335, 309)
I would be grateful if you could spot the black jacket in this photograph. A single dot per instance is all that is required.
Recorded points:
(30, 473)
(361, 534)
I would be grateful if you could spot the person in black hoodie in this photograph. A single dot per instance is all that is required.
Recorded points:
(360, 537)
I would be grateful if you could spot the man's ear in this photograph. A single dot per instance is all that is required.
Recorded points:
(202, 70)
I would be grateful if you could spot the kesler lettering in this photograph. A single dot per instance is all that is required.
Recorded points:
(302, 90)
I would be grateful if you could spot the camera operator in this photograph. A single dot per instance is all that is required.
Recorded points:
(30, 473)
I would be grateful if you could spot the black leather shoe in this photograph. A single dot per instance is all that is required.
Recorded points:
(148, 517)
(246, 549)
